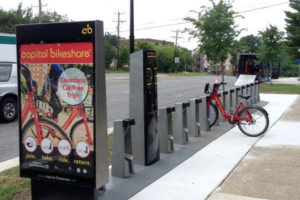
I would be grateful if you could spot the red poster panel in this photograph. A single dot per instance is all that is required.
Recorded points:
(80, 52)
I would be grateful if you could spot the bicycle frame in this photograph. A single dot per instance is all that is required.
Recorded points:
(234, 117)
(78, 110)
(29, 107)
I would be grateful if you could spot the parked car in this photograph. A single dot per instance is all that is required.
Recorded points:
(8, 91)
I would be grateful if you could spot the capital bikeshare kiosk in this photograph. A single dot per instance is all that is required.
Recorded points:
(143, 107)
(62, 103)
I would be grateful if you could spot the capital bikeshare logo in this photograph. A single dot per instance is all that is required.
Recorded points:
(87, 30)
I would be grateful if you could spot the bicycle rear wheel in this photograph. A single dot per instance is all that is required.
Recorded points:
(48, 130)
(260, 122)
(213, 114)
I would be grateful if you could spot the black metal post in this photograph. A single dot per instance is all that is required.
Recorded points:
(131, 37)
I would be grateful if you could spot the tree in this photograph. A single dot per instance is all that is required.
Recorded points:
(124, 55)
(216, 30)
(111, 38)
(186, 59)
(271, 44)
(143, 45)
(164, 58)
(9, 19)
(293, 28)
(249, 43)
(109, 52)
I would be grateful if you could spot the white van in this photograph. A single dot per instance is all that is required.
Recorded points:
(8, 78)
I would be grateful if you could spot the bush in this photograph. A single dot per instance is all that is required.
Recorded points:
(291, 70)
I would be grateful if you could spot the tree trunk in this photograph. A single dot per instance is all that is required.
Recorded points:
(222, 68)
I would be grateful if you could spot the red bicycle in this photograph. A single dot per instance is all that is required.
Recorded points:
(83, 129)
(252, 120)
(37, 126)
(40, 127)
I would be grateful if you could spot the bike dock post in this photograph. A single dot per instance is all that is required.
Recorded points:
(203, 114)
(232, 100)
(252, 93)
(243, 90)
(237, 98)
(228, 101)
(192, 113)
(165, 126)
(248, 93)
(180, 126)
(122, 157)
(225, 103)
(220, 117)
(198, 101)
(257, 92)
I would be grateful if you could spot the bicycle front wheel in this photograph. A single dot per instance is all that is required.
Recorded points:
(213, 114)
(80, 133)
(48, 129)
(259, 124)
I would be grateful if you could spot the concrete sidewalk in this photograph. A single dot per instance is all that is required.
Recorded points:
(201, 174)
(290, 80)
(271, 170)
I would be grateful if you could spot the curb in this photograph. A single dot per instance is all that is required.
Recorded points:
(9, 164)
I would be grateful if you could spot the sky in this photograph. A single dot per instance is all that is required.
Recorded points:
(159, 19)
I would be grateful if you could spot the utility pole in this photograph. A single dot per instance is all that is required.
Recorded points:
(131, 37)
(176, 37)
(40, 9)
(119, 21)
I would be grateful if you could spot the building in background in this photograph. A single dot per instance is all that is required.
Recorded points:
(151, 41)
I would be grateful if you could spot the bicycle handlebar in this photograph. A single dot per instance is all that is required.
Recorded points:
(215, 87)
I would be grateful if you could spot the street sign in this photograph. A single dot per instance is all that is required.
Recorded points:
(57, 69)
(176, 59)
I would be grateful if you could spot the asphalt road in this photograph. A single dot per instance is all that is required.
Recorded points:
(171, 90)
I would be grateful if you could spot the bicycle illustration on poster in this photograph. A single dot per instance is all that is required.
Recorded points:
(57, 92)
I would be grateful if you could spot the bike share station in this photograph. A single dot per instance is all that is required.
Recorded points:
(68, 159)
(62, 166)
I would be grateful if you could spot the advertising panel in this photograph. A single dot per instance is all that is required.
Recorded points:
(57, 90)
(57, 124)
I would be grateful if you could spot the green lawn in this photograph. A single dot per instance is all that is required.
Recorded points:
(189, 74)
(113, 70)
(279, 88)
(11, 184)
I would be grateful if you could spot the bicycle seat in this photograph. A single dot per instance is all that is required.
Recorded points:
(246, 97)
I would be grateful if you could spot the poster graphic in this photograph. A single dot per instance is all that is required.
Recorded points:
(57, 115)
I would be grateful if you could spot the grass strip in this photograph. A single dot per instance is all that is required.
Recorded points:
(190, 74)
(279, 88)
(12, 184)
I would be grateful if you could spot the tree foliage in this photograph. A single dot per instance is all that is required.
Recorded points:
(112, 39)
(143, 45)
(216, 30)
(271, 43)
(249, 43)
(9, 19)
(293, 28)
(124, 55)
(109, 52)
